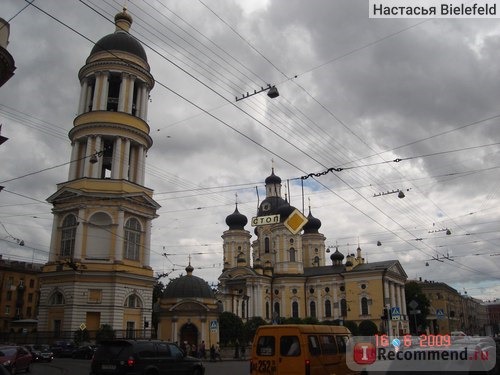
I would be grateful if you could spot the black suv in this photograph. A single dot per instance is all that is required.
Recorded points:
(144, 357)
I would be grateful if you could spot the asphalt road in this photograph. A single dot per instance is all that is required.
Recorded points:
(68, 366)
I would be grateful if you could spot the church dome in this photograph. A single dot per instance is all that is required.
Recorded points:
(273, 179)
(337, 256)
(285, 210)
(121, 40)
(236, 220)
(188, 286)
(312, 224)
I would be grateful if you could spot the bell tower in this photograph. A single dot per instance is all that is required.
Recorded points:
(99, 264)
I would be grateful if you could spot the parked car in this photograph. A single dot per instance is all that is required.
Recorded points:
(40, 353)
(141, 357)
(4, 371)
(15, 358)
(62, 349)
(84, 352)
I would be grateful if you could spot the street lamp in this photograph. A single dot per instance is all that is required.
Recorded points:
(272, 92)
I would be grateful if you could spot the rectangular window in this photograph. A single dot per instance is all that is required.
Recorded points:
(30, 297)
(289, 346)
(130, 333)
(28, 312)
(328, 345)
(9, 296)
(95, 296)
(32, 283)
(132, 241)
(7, 310)
(266, 346)
(314, 347)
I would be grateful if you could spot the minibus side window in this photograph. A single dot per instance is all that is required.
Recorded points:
(314, 348)
(328, 345)
(289, 346)
(265, 346)
(342, 342)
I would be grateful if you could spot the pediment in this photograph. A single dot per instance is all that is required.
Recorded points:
(397, 269)
(237, 273)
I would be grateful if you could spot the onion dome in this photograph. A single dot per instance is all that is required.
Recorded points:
(121, 40)
(337, 256)
(312, 224)
(273, 179)
(285, 210)
(188, 286)
(236, 220)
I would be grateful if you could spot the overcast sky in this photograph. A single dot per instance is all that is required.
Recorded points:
(355, 93)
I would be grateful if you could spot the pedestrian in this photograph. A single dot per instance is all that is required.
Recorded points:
(212, 353)
(217, 352)
(202, 350)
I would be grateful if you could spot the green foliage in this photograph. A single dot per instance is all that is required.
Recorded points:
(367, 328)
(291, 321)
(413, 292)
(250, 327)
(231, 328)
(106, 332)
(352, 326)
(80, 336)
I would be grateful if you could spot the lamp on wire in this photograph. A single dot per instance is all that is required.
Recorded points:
(272, 92)
(93, 158)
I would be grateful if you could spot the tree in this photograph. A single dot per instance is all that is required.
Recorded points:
(413, 292)
(231, 328)
(250, 327)
(352, 326)
(80, 336)
(367, 328)
(106, 332)
(158, 290)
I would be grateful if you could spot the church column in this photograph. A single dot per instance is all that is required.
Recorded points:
(124, 172)
(335, 302)
(119, 236)
(79, 233)
(98, 90)
(141, 165)
(129, 98)
(138, 99)
(83, 96)
(132, 165)
(73, 167)
(104, 94)
(54, 239)
(398, 298)
(96, 168)
(116, 161)
(174, 337)
(87, 171)
(387, 299)
(403, 298)
(392, 294)
(147, 243)
(123, 88)
(144, 103)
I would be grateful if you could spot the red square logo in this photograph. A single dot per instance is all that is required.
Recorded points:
(364, 353)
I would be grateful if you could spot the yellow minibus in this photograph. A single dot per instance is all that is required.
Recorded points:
(300, 349)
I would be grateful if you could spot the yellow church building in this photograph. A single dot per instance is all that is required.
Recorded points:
(282, 274)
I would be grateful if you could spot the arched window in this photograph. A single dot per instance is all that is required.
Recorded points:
(295, 309)
(132, 239)
(266, 245)
(364, 306)
(57, 299)
(343, 307)
(68, 235)
(133, 301)
(292, 254)
(312, 309)
(328, 308)
(276, 309)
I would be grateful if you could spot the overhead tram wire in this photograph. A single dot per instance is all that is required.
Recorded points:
(226, 124)
(338, 119)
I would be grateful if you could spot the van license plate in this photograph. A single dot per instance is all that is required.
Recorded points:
(108, 367)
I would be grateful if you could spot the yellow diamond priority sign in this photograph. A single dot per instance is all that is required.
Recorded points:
(295, 221)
